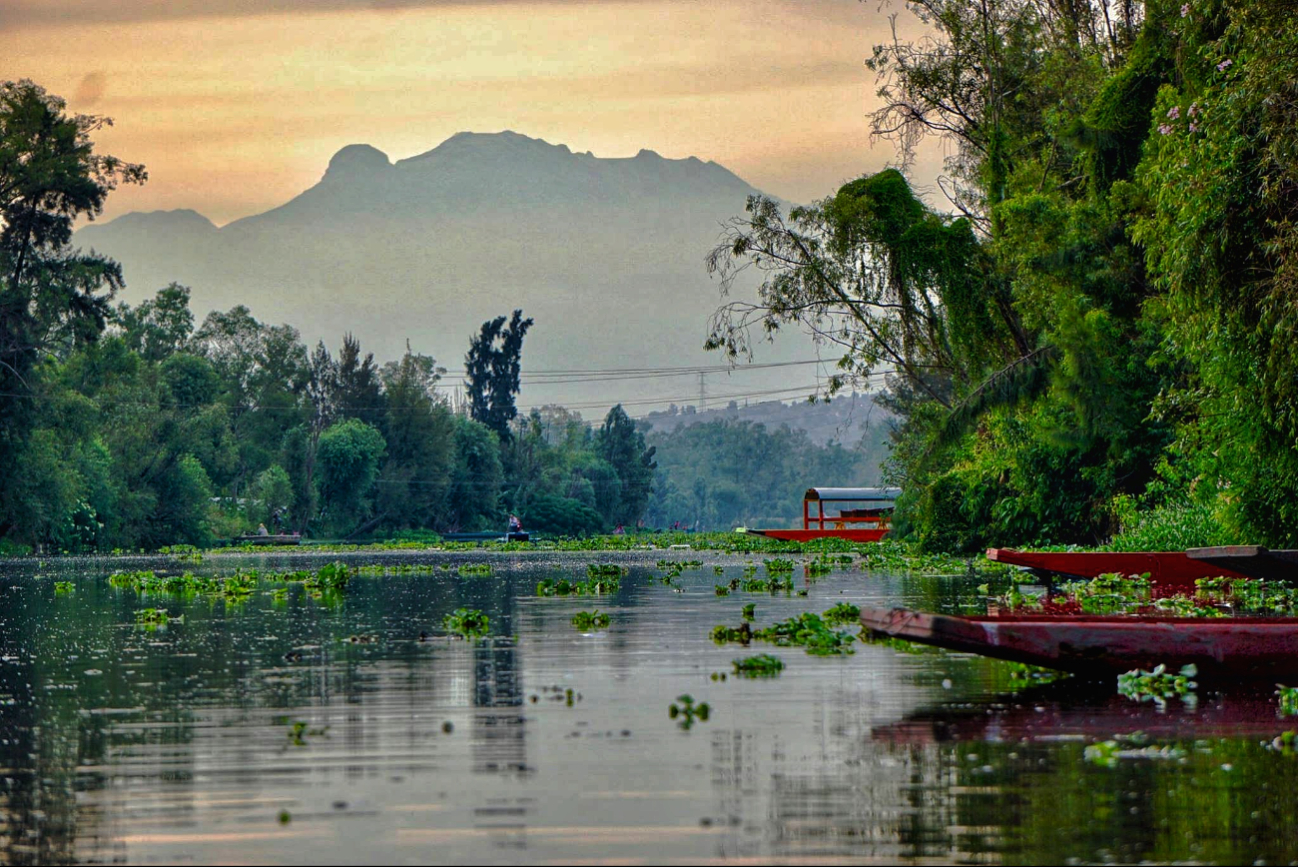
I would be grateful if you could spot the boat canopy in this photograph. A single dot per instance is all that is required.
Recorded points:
(842, 494)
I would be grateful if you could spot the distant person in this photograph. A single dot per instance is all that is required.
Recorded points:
(515, 525)
(619, 531)
(262, 531)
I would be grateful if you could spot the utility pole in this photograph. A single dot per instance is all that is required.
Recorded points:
(703, 393)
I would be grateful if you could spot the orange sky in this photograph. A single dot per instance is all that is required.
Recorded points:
(235, 109)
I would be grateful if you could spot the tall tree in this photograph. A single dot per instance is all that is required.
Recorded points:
(494, 365)
(619, 443)
(50, 175)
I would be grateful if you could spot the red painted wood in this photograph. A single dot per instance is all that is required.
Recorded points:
(1167, 568)
(1234, 647)
(873, 535)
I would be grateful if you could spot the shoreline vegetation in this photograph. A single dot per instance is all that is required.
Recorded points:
(1088, 343)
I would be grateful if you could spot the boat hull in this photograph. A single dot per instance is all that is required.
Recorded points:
(1227, 648)
(1167, 569)
(873, 535)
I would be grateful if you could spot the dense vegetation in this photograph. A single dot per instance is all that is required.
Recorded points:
(1100, 340)
(136, 427)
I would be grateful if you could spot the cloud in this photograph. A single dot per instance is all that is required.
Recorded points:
(90, 90)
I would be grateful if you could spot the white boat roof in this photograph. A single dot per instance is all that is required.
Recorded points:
(852, 494)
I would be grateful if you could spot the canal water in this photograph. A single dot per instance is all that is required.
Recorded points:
(300, 730)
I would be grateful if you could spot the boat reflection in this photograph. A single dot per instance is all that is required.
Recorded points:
(1076, 710)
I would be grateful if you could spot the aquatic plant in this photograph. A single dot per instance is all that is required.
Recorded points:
(807, 631)
(1157, 685)
(778, 566)
(299, 731)
(589, 620)
(1288, 697)
(590, 587)
(152, 618)
(768, 585)
(722, 590)
(471, 570)
(723, 634)
(467, 623)
(1106, 754)
(62, 588)
(749, 611)
(605, 570)
(761, 665)
(843, 612)
(688, 712)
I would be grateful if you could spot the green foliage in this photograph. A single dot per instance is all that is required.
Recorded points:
(493, 365)
(687, 712)
(467, 623)
(761, 665)
(561, 516)
(1157, 685)
(588, 621)
(843, 612)
(349, 456)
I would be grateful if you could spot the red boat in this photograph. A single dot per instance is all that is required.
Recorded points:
(1236, 648)
(1168, 570)
(868, 523)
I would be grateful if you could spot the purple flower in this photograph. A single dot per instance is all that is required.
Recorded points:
(1224, 65)
(1185, 10)
(1194, 109)
(1194, 127)
(1174, 112)
(1164, 129)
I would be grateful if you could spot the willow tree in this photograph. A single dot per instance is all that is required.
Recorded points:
(875, 272)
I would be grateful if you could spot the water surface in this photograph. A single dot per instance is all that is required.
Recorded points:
(306, 731)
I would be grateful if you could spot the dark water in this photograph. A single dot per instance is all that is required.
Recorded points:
(177, 745)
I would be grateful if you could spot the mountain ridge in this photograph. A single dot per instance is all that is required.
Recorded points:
(606, 253)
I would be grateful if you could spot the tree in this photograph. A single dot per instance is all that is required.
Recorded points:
(359, 388)
(494, 365)
(623, 447)
(159, 327)
(349, 456)
(49, 296)
(420, 433)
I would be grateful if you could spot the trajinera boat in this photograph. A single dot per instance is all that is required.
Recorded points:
(1236, 648)
(868, 521)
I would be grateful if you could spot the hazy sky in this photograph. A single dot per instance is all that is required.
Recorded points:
(236, 105)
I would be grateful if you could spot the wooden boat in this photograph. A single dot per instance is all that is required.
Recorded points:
(1238, 648)
(1169, 570)
(272, 539)
(866, 523)
(1253, 561)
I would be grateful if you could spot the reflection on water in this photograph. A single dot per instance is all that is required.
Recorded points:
(307, 732)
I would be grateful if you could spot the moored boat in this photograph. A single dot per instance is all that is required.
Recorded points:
(1243, 648)
(1168, 570)
(869, 521)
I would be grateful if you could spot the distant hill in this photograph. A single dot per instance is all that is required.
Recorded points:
(606, 255)
(846, 420)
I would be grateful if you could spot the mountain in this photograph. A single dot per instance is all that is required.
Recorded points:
(606, 254)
